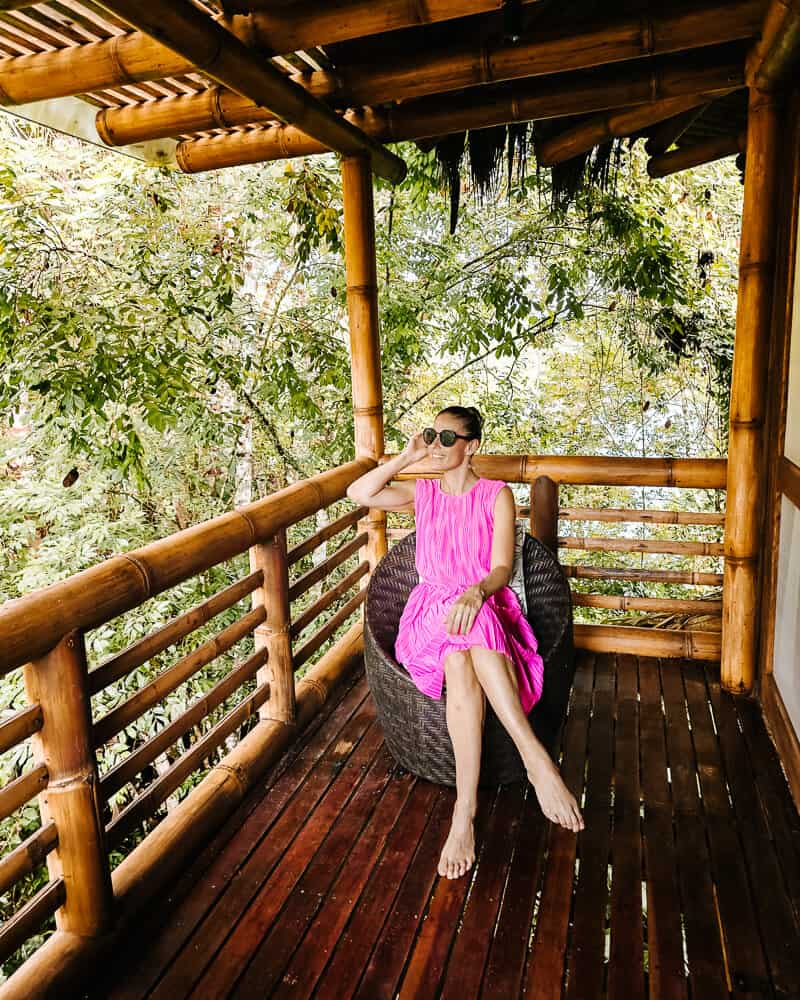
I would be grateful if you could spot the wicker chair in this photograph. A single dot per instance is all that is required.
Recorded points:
(414, 725)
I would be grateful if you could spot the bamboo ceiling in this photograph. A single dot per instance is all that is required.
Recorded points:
(622, 73)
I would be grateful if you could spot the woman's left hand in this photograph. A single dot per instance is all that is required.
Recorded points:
(463, 611)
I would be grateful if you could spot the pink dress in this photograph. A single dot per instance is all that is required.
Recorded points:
(454, 550)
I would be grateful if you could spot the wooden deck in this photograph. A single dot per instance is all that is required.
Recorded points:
(685, 882)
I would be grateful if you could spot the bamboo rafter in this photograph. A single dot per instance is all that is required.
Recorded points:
(221, 56)
(695, 155)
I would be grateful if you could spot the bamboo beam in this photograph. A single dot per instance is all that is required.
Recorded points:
(594, 470)
(186, 30)
(548, 97)
(601, 128)
(746, 445)
(652, 545)
(273, 633)
(31, 625)
(558, 50)
(620, 602)
(643, 575)
(546, 58)
(697, 154)
(175, 630)
(668, 132)
(685, 645)
(644, 516)
(351, 18)
(57, 682)
(363, 323)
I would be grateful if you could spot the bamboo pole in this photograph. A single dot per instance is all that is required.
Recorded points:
(608, 126)
(21, 790)
(547, 96)
(27, 856)
(643, 575)
(652, 545)
(643, 516)
(19, 727)
(350, 18)
(595, 470)
(319, 572)
(670, 644)
(29, 919)
(544, 512)
(774, 60)
(620, 602)
(668, 132)
(188, 31)
(748, 394)
(322, 635)
(273, 634)
(57, 682)
(304, 620)
(365, 349)
(31, 625)
(695, 155)
(308, 545)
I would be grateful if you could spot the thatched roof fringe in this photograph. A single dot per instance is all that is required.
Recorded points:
(450, 152)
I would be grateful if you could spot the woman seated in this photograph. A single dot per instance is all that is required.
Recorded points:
(462, 625)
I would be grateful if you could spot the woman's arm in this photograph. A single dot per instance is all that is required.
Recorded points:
(370, 490)
(463, 612)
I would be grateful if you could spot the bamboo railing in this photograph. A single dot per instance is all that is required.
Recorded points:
(544, 477)
(113, 750)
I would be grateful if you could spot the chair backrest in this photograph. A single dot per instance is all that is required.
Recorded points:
(546, 588)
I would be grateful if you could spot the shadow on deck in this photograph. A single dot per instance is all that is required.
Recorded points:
(685, 882)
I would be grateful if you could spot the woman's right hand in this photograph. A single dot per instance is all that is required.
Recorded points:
(416, 449)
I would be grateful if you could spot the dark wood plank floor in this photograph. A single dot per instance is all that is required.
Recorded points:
(684, 883)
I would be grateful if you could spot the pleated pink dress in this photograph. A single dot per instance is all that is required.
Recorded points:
(454, 551)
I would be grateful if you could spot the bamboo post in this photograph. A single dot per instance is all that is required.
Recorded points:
(365, 348)
(748, 394)
(544, 512)
(273, 595)
(58, 681)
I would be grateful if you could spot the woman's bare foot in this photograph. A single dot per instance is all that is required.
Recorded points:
(557, 802)
(458, 853)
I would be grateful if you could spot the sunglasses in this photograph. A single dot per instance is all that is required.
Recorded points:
(446, 437)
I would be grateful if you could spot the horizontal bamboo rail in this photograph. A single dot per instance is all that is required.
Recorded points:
(221, 56)
(144, 805)
(31, 625)
(309, 648)
(21, 790)
(107, 727)
(135, 762)
(471, 64)
(302, 621)
(308, 545)
(620, 602)
(695, 155)
(20, 726)
(646, 516)
(26, 921)
(653, 545)
(616, 124)
(593, 470)
(307, 580)
(175, 630)
(27, 856)
(643, 575)
(686, 644)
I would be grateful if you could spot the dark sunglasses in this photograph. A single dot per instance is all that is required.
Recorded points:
(446, 437)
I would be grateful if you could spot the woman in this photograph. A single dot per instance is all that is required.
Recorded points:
(462, 625)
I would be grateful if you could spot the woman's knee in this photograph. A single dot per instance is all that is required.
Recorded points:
(459, 672)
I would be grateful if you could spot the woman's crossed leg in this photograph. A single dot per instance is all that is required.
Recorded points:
(471, 676)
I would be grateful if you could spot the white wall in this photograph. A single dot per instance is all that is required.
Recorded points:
(786, 662)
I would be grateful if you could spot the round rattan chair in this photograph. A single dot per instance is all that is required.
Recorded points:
(414, 725)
